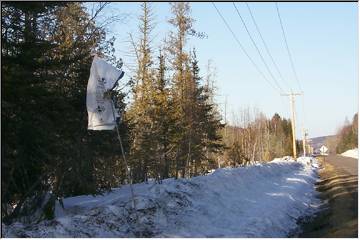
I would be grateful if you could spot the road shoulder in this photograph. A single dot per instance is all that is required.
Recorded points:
(339, 216)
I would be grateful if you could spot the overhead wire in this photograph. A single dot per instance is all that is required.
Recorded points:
(257, 49)
(266, 46)
(277, 86)
(287, 47)
(243, 49)
(292, 64)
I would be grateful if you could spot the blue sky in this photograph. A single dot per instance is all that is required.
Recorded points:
(323, 40)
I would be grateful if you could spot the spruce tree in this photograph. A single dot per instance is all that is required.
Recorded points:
(209, 120)
(142, 149)
(179, 60)
(46, 62)
(163, 123)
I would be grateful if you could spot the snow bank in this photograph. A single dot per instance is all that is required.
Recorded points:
(257, 201)
(353, 153)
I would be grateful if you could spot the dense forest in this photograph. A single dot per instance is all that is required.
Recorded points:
(254, 138)
(171, 127)
(347, 135)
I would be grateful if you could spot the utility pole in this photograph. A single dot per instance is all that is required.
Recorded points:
(225, 129)
(225, 114)
(304, 141)
(292, 109)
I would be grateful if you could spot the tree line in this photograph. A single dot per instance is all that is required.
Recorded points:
(172, 126)
(255, 138)
(347, 135)
(45, 67)
(173, 118)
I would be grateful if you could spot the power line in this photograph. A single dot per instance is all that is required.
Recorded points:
(266, 47)
(243, 49)
(292, 63)
(287, 47)
(257, 48)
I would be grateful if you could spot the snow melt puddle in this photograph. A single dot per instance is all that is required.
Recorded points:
(265, 200)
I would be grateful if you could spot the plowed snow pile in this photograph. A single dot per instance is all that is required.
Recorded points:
(265, 200)
(353, 153)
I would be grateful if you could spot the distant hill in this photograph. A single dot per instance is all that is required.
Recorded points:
(317, 142)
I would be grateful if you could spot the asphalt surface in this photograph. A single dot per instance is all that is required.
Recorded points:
(338, 189)
(346, 165)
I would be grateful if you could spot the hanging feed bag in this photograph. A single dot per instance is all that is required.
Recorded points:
(103, 78)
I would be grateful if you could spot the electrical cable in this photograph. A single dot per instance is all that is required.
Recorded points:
(243, 49)
(266, 46)
(257, 48)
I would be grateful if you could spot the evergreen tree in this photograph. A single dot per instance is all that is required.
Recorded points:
(347, 136)
(163, 122)
(142, 148)
(45, 70)
(179, 60)
(204, 124)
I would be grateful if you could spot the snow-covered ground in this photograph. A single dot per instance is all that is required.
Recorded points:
(264, 200)
(353, 153)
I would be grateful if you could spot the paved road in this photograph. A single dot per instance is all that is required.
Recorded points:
(346, 165)
(338, 188)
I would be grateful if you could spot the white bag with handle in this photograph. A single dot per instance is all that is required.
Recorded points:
(103, 77)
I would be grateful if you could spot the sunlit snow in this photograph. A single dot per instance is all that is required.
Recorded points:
(265, 200)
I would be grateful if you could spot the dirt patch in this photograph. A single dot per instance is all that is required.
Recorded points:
(339, 217)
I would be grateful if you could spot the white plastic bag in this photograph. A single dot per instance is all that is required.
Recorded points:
(103, 77)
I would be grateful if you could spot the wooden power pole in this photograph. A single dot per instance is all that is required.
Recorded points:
(304, 141)
(292, 109)
(225, 113)
(225, 116)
